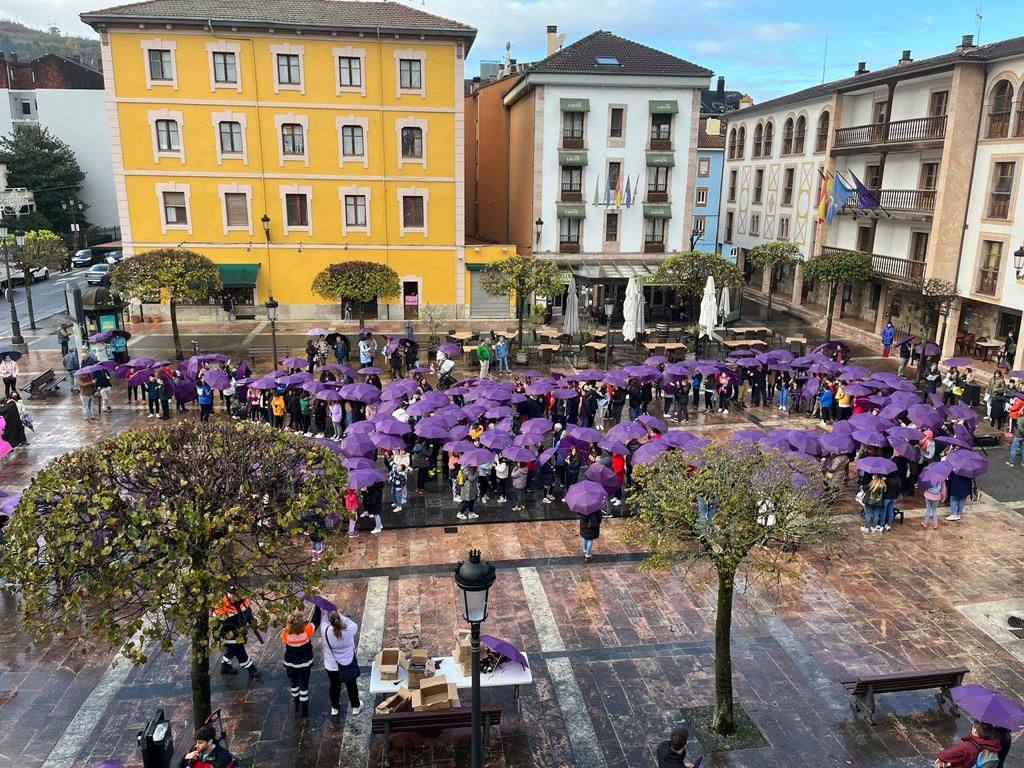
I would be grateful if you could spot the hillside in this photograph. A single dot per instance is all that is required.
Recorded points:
(31, 43)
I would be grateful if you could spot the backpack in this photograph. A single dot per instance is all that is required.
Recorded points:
(874, 497)
(987, 759)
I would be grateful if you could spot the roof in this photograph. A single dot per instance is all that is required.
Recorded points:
(980, 53)
(329, 14)
(580, 58)
(706, 141)
(712, 103)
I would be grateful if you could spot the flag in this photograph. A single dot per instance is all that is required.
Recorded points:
(841, 192)
(627, 196)
(636, 188)
(607, 192)
(825, 196)
(618, 191)
(597, 186)
(865, 198)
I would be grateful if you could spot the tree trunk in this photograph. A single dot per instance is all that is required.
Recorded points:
(174, 331)
(723, 722)
(520, 312)
(200, 666)
(771, 282)
(832, 289)
(28, 299)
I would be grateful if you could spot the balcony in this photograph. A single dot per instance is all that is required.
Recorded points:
(572, 139)
(654, 246)
(568, 246)
(912, 201)
(921, 129)
(657, 196)
(889, 267)
(572, 193)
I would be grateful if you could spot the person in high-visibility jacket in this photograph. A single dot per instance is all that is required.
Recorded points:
(297, 637)
(234, 614)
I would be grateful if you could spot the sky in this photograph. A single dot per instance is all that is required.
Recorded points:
(765, 49)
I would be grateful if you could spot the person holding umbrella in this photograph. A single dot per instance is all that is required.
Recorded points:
(967, 752)
(960, 488)
(9, 373)
(1000, 713)
(469, 491)
(888, 336)
(587, 499)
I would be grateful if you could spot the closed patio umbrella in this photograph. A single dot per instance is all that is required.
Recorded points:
(633, 310)
(708, 318)
(571, 318)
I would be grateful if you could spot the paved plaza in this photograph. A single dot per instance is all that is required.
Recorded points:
(617, 654)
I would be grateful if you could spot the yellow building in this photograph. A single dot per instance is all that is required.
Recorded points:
(278, 137)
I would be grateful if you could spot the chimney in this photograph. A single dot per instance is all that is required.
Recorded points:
(746, 101)
(905, 58)
(966, 42)
(862, 68)
(721, 87)
(552, 38)
(713, 127)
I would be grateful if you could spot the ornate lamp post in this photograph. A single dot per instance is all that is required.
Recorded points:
(474, 578)
(538, 226)
(1018, 262)
(271, 306)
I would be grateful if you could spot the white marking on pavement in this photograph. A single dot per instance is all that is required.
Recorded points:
(578, 724)
(355, 739)
(253, 334)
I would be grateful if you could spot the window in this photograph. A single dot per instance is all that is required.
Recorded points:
(865, 239)
(657, 179)
(614, 170)
(880, 112)
(410, 74)
(412, 212)
(26, 107)
(788, 180)
(799, 135)
(292, 140)
(569, 232)
(161, 66)
(1019, 129)
(732, 144)
(703, 167)
(167, 136)
(787, 137)
(1001, 190)
(918, 245)
(991, 260)
(288, 69)
(769, 135)
(225, 68)
(607, 60)
(611, 228)
(937, 103)
(661, 128)
(699, 225)
(741, 143)
(758, 139)
(615, 122)
(352, 141)
(175, 209)
(999, 110)
(783, 233)
(350, 72)
(821, 142)
(728, 226)
(755, 224)
(236, 209)
(412, 143)
(230, 132)
(701, 196)
(572, 180)
(355, 210)
(572, 129)
(758, 185)
(296, 208)
(654, 231)
(929, 176)
(873, 175)
(732, 186)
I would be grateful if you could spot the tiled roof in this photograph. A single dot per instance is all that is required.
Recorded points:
(706, 141)
(331, 14)
(580, 58)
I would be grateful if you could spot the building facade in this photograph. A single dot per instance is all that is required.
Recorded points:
(707, 190)
(292, 137)
(589, 158)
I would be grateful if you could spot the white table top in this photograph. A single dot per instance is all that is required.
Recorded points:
(508, 673)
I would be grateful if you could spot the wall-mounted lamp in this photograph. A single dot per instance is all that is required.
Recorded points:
(539, 225)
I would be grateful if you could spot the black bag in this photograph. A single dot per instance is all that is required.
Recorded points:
(350, 671)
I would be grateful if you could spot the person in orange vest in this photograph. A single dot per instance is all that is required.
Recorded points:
(234, 615)
(297, 637)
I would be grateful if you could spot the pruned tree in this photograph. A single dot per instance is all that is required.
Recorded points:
(174, 274)
(43, 163)
(688, 273)
(140, 559)
(42, 248)
(358, 282)
(522, 275)
(835, 268)
(771, 256)
(929, 296)
(434, 316)
(754, 525)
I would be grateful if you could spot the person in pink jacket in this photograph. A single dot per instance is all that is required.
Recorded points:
(933, 496)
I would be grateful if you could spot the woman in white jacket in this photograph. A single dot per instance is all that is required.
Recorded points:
(339, 645)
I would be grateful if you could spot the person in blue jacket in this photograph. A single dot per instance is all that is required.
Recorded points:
(888, 336)
(205, 396)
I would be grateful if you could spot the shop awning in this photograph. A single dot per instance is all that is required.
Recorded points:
(663, 106)
(574, 105)
(660, 159)
(572, 157)
(238, 275)
(654, 211)
(615, 271)
(571, 210)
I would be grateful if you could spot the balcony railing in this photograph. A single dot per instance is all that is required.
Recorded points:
(657, 196)
(998, 125)
(894, 132)
(654, 246)
(901, 200)
(572, 138)
(572, 193)
(891, 267)
(568, 246)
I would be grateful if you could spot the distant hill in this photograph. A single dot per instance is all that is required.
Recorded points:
(31, 43)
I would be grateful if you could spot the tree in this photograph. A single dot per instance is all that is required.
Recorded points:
(522, 275)
(358, 282)
(182, 513)
(771, 256)
(175, 273)
(44, 164)
(434, 316)
(42, 249)
(836, 268)
(688, 273)
(755, 524)
(929, 296)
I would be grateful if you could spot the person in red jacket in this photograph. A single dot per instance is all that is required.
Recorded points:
(964, 754)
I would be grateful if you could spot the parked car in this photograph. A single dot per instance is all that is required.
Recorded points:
(87, 257)
(17, 277)
(97, 273)
(82, 258)
(114, 256)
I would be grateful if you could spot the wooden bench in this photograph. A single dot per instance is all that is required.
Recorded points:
(437, 720)
(255, 352)
(864, 689)
(43, 383)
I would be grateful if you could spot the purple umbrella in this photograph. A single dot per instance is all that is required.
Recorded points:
(865, 437)
(495, 440)
(294, 362)
(317, 332)
(216, 379)
(837, 443)
(88, 370)
(851, 372)
(458, 446)
(586, 497)
(876, 465)
(956, 362)
(805, 442)
(747, 436)
(626, 431)
(184, 390)
(616, 378)
(392, 426)
(337, 367)
(988, 706)
(831, 346)
(329, 396)
(448, 348)
(958, 442)
(867, 421)
(498, 412)
(584, 434)
(905, 433)
(928, 349)
(370, 370)
(259, 384)
(962, 412)
(101, 337)
(654, 423)
(565, 394)
(355, 463)
(641, 372)
(967, 463)
(518, 453)
(649, 452)
(358, 479)
(431, 428)
(545, 456)
(387, 442)
(295, 378)
(590, 375)
(903, 448)
(505, 649)
(655, 360)
(363, 393)
(603, 476)
(111, 762)
(477, 457)
(924, 416)
(538, 424)
(358, 445)
(709, 369)
(613, 446)
(540, 388)
(934, 473)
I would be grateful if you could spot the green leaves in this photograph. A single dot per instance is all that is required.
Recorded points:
(689, 271)
(839, 267)
(357, 281)
(38, 160)
(42, 249)
(522, 274)
(183, 274)
(774, 254)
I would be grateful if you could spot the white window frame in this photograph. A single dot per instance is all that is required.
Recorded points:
(353, 53)
(289, 49)
(705, 163)
(302, 120)
(404, 192)
(410, 53)
(158, 44)
(700, 224)
(152, 116)
(296, 189)
(225, 46)
(365, 192)
(235, 189)
(701, 192)
(362, 122)
(174, 186)
(230, 117)
(411, 122)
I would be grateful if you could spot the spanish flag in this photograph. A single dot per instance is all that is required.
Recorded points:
(825, 197)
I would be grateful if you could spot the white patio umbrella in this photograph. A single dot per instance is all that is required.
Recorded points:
(571, 316)
(725, 305)
(708, 311)
(633, 310)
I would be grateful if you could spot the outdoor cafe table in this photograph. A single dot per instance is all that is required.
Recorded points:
(987, 347)
(750, 329)
(461, 335)
(508, 674)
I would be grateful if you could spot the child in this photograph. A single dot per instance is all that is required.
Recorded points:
(398, 486)
(933, 496)
(352, 507)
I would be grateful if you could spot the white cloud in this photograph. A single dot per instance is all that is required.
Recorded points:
(780, 32)
(710, 47)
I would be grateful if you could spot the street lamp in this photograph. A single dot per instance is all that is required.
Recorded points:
(271, 306)
(19, 238)
(1018, 262)
(474, 578)
(538, 225)
(74, 206)
(609, 309)
(265, 221)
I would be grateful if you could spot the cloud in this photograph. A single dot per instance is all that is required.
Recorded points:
(710, 47)
(780, 32)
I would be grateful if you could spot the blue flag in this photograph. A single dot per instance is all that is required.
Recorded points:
(865, 198)
(841, 192)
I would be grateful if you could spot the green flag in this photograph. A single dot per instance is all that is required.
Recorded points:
(597, 186)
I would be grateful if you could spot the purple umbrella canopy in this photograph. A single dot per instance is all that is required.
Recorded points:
(626, 431)
(363, 427)
(495, 440)
(363, 393)
(864, 437)
(295, 378)
(851, 372)
(294, 362)
(586, 497)
(358, 479)
(448, 348)
(505, 649)
(112, 762)
(905, 433)
(962, 412)
(613, 446)
(216, 379)
(387, 442)
(358, 445)
(317, 332)
(313, 387)
(432, 428)
(924, 416)
(955, 441)
(655, 360)
(392, 426)
(478, 457)
(565, 394)
(648, 452)
(546, 456)
(653, 423)
(584, 434)
(603, 476)
(903, 448)
(956, 362)
(747, 436)
(876, 465)
(988, 706)
(928, 349)
(835, 443)
(529, 439)
(867, 421)
(498, 412)
(89, 370)
(329, 396)
(967, 463)
(934, 473)
(805, 442)
(590, 375)
(458, 447)
(518, 453)
(258, 384)
(616, 378)
(538, 424)
(370, 370)
(677, 438)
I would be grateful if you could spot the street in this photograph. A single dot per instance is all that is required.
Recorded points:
(47, 300)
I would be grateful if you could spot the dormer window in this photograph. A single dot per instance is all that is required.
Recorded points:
(610, 61)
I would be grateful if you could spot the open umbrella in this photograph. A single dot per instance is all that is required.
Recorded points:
(448, 348)
(876, 465)
(495, 440)
(934, 473)
(586, 497)
(294, 362)
(216, 379)
(295, 378)
(967, 463)
(614, 446)
(625, 431)
(988, 706)
(584, 434)
(518, 453)
(364, 478)
(392, 426)
(431, 428)
(649, 452)
(565, 394)
(865, 437)
(956, 362)
(603, 476)
(370, 370)
(363, 393)
(835, 443)
(505, 649)
(358, 445)
(958, 442)
(387, 442)
(317, 332)
(571, 313)
(903, 448)
(708, 311)
(832, 346)
(11, 353)
(538, 424)
(478, 457)
(927, 349)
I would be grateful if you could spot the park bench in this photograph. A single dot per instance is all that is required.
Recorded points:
(255, 352)
(436, 720)
(864, 689)
(45, 382)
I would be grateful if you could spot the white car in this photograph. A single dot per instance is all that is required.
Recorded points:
(17, 277)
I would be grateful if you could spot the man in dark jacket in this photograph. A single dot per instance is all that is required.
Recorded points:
(341, 349)
(207, 752)
(672, 753)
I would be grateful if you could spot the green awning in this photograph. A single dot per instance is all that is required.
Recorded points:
(657, 211)
(575, 105)
(664, 106)
(570, 157)
(571, 210)
(660, 159)
(238, 275)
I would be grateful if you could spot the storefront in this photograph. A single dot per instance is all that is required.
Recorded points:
(240, 285)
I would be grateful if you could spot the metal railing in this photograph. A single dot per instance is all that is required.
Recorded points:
(893, 132)
(892, 267)
(900, 201)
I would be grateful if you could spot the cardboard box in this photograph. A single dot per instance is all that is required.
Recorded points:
(420, 667)
(435, 693)
(395, 703)
(389, 661)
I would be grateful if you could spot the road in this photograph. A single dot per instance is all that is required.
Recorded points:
(47, 298)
